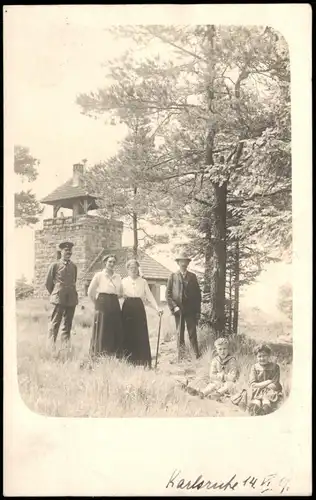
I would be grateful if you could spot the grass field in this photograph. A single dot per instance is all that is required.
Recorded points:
(61, 387)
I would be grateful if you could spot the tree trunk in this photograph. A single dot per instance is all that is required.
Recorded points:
(135, 235)
(236, 287)
(215, 250)
(215, 261)
(135, 230)
(230, 301)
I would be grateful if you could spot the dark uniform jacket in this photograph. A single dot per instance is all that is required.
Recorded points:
(61, 283)
(184, 293)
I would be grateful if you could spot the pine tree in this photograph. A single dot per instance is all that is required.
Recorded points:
(121, 183)
(27, 209)
(225, 143)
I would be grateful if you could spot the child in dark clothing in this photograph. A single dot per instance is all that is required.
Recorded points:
(264, 381)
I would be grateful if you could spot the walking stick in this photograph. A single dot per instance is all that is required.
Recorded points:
(159, 328)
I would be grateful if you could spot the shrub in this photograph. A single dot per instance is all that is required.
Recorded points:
(285, 300)
(23, 289)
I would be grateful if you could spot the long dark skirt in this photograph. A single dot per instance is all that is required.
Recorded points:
(107, 332)
(136, 346)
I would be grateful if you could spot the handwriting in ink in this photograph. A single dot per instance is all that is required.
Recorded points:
(178, 482)
(250, 480)
(268, 483)
(284, 484)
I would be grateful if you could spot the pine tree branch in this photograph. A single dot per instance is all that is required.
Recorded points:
(259, 195)
(174, 176)
(161, 124)
(181, 49)
(203, 202)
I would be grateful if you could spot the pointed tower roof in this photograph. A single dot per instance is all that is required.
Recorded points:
(74, 188)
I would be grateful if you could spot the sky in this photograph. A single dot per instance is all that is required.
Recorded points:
(51, 56)
(52, 60)
(51, 63)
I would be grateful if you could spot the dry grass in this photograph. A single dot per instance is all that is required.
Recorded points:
(60, 387)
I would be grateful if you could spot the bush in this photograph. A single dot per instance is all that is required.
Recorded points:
(285, 300)
(23, 290)
(206, 319)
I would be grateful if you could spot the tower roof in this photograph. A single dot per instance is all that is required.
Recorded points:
(74, 188)
(66, 192)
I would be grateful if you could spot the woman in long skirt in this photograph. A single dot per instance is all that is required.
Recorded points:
(136, 346)
(104, 290)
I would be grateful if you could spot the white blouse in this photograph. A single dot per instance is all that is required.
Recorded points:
(138, 288)
(103, 283)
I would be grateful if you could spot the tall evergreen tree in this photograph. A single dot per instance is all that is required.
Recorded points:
(218, 101)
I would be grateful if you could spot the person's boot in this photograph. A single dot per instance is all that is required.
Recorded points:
(195, 349)
(266, 409)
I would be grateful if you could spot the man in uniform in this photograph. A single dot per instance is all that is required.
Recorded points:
(61, 285)
(183, 297)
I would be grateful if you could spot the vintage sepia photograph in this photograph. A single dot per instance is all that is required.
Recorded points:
(153, 214)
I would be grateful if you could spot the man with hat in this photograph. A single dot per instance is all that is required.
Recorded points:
(61, 285)
(183, 297)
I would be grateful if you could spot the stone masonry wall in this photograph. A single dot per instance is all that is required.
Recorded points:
(99, 234)
(89, 236)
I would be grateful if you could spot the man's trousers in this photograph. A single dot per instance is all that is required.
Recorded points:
(190, 321)
(61, 315)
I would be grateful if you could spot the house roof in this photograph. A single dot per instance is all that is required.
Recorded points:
(68, 191)
(150, 268)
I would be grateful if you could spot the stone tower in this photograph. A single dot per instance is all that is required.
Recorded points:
(89, 233)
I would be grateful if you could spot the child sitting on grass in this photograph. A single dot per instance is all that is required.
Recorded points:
(264, 381)
(223, 371)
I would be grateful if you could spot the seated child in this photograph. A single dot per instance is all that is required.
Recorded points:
(223, 370)
(264, 381)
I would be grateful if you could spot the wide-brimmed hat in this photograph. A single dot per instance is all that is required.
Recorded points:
(183, 256)
(65, 244)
